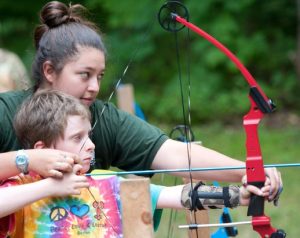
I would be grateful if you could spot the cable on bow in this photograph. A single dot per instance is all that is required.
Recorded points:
(187, 137)
(260, 105)
(184, 132)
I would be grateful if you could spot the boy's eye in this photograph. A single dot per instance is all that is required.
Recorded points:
(77, 137)
(90, 134)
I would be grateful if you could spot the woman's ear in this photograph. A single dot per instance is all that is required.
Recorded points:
(39, 145)
(49, 71)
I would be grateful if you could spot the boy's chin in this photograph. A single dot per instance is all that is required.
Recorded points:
(85, 168)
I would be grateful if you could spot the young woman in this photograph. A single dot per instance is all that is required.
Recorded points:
(70, 57)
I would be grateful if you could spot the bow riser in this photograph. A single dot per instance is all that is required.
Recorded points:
(254, 162)
(261, 225)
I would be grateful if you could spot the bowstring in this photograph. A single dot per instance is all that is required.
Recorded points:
(187, 121)
(189, 131)
(102, 212)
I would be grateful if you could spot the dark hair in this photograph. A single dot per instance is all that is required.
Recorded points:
(63, 29)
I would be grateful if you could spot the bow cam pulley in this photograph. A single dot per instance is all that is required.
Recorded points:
(167, 14)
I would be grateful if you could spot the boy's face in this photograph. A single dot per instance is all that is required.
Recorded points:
(76, 140)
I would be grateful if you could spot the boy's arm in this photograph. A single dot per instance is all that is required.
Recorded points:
(14, 198)
(170, 197)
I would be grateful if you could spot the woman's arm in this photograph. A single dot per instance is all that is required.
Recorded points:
(173, 155)
(46, 162)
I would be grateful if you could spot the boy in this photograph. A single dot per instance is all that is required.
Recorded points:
(77, 206)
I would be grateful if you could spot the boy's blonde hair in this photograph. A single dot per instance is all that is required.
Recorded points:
(43, 117)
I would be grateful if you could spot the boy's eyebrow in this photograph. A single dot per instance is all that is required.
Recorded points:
(77, 132)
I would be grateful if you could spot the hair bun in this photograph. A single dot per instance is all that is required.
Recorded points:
(57, 13)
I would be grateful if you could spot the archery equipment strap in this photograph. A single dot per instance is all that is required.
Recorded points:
(201, 196)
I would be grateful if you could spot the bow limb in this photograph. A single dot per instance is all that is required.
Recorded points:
(249, 78)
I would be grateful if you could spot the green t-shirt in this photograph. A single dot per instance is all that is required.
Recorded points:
(121, 140)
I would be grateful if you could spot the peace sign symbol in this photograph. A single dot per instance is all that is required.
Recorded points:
(58, 213)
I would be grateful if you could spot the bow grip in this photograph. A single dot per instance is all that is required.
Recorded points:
(279, 234)
(257, 203)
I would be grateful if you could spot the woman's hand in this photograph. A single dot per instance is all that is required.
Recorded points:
(271, 190)
(50, 162)
(274, 176)
(246, 190)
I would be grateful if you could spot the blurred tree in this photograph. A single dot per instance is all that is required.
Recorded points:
(261, 33)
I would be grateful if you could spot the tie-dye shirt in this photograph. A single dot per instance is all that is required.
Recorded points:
(93, 213)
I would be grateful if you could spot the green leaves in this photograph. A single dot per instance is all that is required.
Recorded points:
(261, 33)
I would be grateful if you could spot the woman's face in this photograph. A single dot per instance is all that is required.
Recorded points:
(81, 76)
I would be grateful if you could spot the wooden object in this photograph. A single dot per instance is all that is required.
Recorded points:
(125, 98)
(136, 208)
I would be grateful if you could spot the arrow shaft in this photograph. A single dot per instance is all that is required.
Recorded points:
(159, 171)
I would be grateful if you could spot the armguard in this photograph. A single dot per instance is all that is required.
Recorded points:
(200, 196)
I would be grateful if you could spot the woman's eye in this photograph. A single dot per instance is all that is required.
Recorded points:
(100, 76)
(84, 75)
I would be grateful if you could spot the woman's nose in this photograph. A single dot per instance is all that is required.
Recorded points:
(94, 85)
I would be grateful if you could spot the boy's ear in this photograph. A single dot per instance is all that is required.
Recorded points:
(49, 71)
(39, 145)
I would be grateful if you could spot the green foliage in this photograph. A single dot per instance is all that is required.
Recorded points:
(261, 34)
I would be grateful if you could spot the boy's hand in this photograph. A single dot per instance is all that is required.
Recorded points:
(51, 163)
(70, 184)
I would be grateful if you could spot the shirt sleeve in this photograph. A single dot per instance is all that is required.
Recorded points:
(157, 213)
(123, 140)
(9, 104)
(7, 224)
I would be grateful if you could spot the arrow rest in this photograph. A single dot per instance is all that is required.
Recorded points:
(168, 11)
